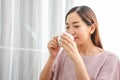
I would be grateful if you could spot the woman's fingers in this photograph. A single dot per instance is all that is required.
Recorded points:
(53, 43)
(67, 45)
(67, 38)
(53, 47)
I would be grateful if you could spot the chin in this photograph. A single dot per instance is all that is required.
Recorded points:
(78, 43)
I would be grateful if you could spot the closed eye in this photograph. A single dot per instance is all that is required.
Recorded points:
(67, 27)
(76, 26)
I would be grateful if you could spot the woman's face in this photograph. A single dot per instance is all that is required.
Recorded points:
(78, 28)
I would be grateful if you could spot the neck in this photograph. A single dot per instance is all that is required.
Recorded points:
(89, 49)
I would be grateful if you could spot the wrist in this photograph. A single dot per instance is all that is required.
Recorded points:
(51, 58)
(78, 59)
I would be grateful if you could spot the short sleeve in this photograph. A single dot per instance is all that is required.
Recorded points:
(110, 69)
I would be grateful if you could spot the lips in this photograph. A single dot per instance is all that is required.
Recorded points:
(75, 38)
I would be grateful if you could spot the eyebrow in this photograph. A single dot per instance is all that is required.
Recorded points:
(73, 22)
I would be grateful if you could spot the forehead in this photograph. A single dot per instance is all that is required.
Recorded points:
(73, 17)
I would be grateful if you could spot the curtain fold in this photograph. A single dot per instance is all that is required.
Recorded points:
(26, 26)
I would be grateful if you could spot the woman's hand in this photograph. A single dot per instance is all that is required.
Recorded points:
(53, 47)
(70, 46)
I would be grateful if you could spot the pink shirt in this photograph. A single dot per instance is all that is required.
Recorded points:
(104, 66)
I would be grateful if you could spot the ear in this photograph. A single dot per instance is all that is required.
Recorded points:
(92, 29)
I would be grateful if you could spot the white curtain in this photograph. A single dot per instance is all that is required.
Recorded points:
(26, 26)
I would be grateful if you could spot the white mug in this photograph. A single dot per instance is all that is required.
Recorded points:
(68, 34)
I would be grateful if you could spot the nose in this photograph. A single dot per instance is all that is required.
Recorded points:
(71, 31)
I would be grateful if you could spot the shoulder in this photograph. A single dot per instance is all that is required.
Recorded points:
(111, 55)
(111, 58)
(110, 69)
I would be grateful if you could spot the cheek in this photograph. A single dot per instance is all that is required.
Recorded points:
(80, 33)
(83, 32)
(83, 35)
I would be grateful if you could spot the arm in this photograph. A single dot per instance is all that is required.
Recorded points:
(72, 51)
(53, 49)
(46, 72)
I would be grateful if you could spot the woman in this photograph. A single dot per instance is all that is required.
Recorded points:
(84, 57)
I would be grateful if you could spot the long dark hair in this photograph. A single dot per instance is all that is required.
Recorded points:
(89, 17)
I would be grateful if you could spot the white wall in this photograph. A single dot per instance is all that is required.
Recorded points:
(108, 15)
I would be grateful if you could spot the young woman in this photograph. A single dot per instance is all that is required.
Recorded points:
(84, 57)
